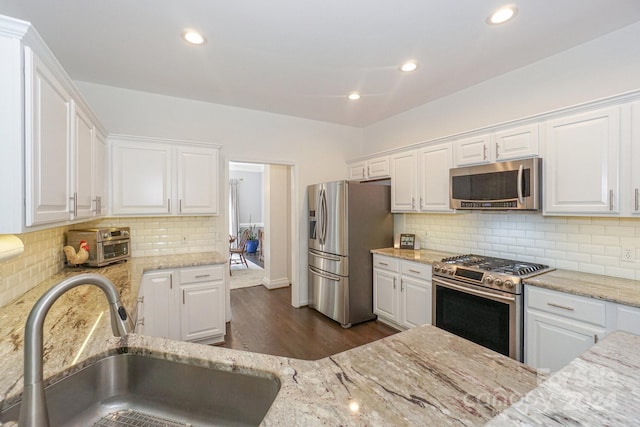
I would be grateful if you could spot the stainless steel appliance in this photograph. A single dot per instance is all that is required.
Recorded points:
(512, 185)
(481, 299)
(346, 220)
(106, 245)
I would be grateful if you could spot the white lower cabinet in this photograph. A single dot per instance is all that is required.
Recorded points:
(401, 292)
(559, 327)
(184, 304)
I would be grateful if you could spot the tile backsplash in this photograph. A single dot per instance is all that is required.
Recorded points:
(43, 256)
(586, 244)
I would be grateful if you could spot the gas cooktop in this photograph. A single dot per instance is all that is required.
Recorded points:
(496, 273)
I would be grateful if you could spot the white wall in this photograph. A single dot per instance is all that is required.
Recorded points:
(250, 197)
(316, 150)
(603, 67)
(277, 224)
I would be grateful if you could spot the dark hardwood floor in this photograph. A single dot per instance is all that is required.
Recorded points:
(265, 322)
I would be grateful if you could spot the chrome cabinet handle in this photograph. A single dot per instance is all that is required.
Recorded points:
(363, 174)
(180, 205)
(183, 297)
(421, 202)
(414, 271)
(497, 150)
(413, 203)
(74, 206)
(394, 283)
(401, 286)
(171, 281)
(368, 170)
(169, 205)
(200, 276)
(383, 263)
(564, 307)
(610, 200)
(595, 339)
(637, 205)
(484, 152)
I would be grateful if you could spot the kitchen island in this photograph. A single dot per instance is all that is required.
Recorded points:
(423, 376)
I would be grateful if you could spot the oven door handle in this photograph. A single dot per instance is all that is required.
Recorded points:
(477, 292)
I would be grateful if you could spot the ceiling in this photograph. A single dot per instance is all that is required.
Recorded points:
(302, 58)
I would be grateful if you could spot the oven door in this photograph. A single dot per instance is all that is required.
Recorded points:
(490, 318)
(113, 251)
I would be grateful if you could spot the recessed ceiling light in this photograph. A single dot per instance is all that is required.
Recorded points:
(409, 66)
(193, 37)
(502, 15)
(354, 96)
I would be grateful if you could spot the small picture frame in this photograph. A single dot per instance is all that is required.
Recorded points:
(407, 241)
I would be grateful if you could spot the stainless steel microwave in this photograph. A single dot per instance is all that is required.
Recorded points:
(511, 185)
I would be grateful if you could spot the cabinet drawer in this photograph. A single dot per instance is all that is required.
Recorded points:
(201, 274)
(416, 269)
(566, 305)
(385, 262)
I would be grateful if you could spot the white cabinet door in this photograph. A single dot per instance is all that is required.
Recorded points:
(159, 309)
(552, 341)
(198, 180)
(404, 180)
(83, 170)
(582, 163)
(634, 160)
(141, 178)
(435, 162)
(385, 296)
(202, 311)
(474, 150)
(358, 171)
(101, 191)
(518, 142)
(378, 168)
(627, 318)
(48, 144)
(415, 302)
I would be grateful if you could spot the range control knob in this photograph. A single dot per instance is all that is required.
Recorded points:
(450, 271)
(498, 282)
(125, 233)
(106, 235)
(509, 284)
(436, 268)
(488, 280)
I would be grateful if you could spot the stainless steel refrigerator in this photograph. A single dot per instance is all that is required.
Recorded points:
(346, 220)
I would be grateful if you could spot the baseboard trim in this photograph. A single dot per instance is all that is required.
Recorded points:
(283, 282)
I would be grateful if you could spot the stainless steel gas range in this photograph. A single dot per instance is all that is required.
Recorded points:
(480, 298)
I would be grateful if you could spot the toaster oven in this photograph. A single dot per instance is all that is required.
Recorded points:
(106, 245)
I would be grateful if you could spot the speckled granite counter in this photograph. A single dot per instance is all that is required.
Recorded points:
(424, 256)
(599, 388)
(78, 324)
(623, 291)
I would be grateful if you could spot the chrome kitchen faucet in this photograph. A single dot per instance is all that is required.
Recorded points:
(33, 412)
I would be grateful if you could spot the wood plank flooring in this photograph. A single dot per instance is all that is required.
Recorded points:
(265, 322)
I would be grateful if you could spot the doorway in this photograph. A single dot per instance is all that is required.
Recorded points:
(260, 208)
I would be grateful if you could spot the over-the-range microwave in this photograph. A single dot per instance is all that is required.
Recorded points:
(511, 185)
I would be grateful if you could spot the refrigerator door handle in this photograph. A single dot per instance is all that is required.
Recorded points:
(325, 255)
(322, 216)
(324, 274)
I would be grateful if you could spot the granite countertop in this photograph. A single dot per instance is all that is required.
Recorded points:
(614, 289)
(623, 291)
(417, 375)
(423, 375)
(425, 256)
(599, 388)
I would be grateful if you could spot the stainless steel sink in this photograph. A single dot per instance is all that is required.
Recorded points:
(140, 390)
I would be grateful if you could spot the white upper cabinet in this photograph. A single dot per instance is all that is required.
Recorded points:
(582, 163)
(141, 174)
(163, 178)
(404, 182)
(376, 168)
(47, 133)
(474, 150)
(435, 162)
(101, 199)
(48, 144)
(83, 172)
(517, 142)
(197, 180)
(506, 144)
(633, 160)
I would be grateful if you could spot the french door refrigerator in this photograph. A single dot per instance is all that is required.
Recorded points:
(346, 221)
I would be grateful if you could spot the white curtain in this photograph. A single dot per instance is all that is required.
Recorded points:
(234, 212)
